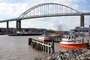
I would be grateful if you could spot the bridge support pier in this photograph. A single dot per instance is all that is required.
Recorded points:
(7, 30)
(18, 25)
(82, 21)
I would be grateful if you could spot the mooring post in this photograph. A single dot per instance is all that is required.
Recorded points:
(29, 41)
(49, 49)
(46, 47)
(43, 47)
(7, 27)
(88, 44)
(52, 46)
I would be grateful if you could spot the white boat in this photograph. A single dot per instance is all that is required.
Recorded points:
(45, 38)
(70, 42)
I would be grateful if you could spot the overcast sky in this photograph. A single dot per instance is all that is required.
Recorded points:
(14, 8)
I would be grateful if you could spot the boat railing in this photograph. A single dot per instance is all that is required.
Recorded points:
(83, 40)
(87, 41)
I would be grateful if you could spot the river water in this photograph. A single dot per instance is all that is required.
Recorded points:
(17, 48)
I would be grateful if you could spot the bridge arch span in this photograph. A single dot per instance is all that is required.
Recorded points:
(56, 7)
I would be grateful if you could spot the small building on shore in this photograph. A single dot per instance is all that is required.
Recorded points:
(3, 31)
(81, 31)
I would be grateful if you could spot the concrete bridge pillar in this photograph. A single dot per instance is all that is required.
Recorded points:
(82, 21)
(7, 30)
(18, 25)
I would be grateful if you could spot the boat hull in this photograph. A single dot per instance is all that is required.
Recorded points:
(74, 46)
(46, 40)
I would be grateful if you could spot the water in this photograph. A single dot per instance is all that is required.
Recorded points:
(17, 48)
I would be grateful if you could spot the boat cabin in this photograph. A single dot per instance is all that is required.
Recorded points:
(69, 37)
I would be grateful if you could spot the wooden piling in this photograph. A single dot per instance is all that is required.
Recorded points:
(52, 46)
(46, 48)
(88, 44)
(29, 41)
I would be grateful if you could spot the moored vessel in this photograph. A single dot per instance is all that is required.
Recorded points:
(70, 42)
(45, 38)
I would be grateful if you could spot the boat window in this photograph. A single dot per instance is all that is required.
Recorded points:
(86, 30)
(64, 36)
(76, 30)
(72, 37)
(69, 37)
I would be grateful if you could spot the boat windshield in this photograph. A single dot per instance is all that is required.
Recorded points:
(65, 36)
(69, 36)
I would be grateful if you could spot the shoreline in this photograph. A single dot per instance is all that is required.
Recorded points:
(81, 54)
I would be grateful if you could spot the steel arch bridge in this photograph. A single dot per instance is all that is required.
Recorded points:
(46, 10)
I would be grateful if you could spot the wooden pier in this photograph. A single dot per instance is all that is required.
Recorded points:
(47, 47)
